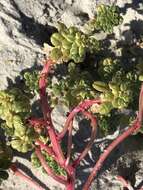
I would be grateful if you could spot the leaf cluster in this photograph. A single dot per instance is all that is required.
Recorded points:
(71, 44)
(14, 110)
(75, 87)
(107, 17)
(116, 87)
(31, 81)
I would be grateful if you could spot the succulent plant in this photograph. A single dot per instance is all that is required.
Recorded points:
(70, 44)
(73, 88)
(107, 67)
(107, 17)
(31, 81)
(23, 138)
(117, 93)
(14, 110)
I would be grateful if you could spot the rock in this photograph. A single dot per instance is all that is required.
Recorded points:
(24, 26)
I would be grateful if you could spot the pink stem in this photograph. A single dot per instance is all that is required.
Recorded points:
(49, 151)
(124, 182)
(93, 134)
(49, 171)
(140, 115)
(45, 147)
(46, 112)
(69, 143)
(81, 107)
(29, 180)
(135, 126)
(70, 185)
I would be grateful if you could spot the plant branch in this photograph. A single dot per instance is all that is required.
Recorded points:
(69, 143)
(47, 113)
(29, 180)
(93, 134)
(80, 108)
(135, 126)
(45, 147)
(124, 182)
(140, 115)
(49, 171)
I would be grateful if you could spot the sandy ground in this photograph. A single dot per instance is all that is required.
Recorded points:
(24, 26)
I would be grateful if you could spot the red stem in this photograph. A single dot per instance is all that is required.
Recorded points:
(70, 185)
(124, 182)
(140, 115)
(49, 171)
(45, 147)
(49, 150)
(55, 139)
(69, 143)
(135, 126)
(29, 180)
(46, 112)
(80, 108)
(93, 134)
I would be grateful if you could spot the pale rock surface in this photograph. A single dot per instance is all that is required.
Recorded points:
(24, 26)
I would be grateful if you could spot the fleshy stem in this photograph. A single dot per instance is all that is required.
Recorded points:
(49, 171)
(47, 112)
(99, 163)
(29, 180)
(56, 152)
(92, 138)
(69, 143)
(50, 128)
(135, 127)
(80, 108)
(124, 182)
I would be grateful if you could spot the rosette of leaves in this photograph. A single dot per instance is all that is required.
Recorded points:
(5, 161)
(106, 18)
(70, 44)
(75, 87)
(14, 110)
(117, 93)
(13, 102)
(23, 136)
(50, 162)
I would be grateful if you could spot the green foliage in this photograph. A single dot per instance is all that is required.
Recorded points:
(50, 162)
(31, 81)
(5, 160)
(117, 93)
(72, 89)
(14, 110)
(107, 67)
(117, 86)
(71, 44)
(107, 17)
